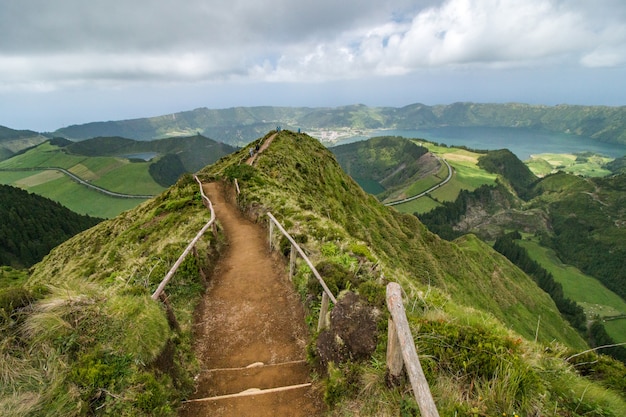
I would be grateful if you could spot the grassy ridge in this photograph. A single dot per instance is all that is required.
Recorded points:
(459, 294)
(95, 343)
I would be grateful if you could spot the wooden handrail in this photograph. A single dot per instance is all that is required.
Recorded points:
(306, 258)
(181, 258)
(400, 339)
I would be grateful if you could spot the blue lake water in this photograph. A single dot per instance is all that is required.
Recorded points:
(146, 156)
(522, 142)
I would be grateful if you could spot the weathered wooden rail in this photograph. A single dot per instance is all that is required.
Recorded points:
(327, 295)
(401, 352)
(211, 223)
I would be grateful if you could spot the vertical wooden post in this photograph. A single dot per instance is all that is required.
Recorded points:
(169, 312)
(292, 262)
(194, 250)
(322, 323)
(394, 354)
(271, 233)
(421, 390)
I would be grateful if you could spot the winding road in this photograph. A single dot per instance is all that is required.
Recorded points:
(82, 182)
(433, 188)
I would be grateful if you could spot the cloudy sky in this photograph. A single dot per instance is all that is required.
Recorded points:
(74, 61)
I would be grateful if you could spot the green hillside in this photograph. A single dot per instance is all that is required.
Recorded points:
(93, 342)
(587, 218)
(32, 225)
(240, 125)
(383, 162)
(13, 141)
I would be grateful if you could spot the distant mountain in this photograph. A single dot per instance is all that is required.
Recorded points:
(240, 125)
(194, 152)
(617, 166)
(30, 226)
(13, 141)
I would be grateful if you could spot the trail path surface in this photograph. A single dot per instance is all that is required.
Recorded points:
(250, 330)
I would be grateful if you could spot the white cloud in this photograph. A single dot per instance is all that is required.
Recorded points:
(360, 48)
(463, 33)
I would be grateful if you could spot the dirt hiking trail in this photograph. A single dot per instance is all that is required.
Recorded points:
(250, 331)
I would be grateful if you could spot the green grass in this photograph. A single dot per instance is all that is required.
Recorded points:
(113, 174)
(131, 178)
(96, 343)
(594, 297)
(584, 165)
(467, 175)
(83, 200)
(78, 198)
(420, 205)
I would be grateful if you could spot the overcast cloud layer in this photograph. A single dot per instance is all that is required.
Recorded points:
(71, 61)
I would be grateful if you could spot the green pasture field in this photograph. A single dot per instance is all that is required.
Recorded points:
(587, 291)
(59, 187)
(584, 165)
(112, 173)
(131, 178)
(467, 175)
(84, 200)
(425, 183)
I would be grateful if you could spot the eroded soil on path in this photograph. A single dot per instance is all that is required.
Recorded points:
(250, 314)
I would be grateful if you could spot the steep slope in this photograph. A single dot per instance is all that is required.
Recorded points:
(461, 293)
(96, 344)
(384, 161)
(31, 226)
(298, 174)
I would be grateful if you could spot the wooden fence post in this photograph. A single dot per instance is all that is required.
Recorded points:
(292, 262)
(421, 390)
(271, 234)
(394, 354)
(322, 323)
(169, 312)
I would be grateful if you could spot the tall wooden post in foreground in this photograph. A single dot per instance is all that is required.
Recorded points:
(403, 342)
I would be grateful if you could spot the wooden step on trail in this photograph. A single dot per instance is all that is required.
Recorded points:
(228, 381)
(282, 389)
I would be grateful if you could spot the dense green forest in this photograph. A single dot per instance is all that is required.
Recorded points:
(442, 219)
(506, 164)
(32, 225)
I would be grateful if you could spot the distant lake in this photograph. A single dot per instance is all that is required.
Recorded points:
(522, 142)
(146, 156)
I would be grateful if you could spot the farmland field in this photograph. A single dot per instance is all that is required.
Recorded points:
(114, 174)
(466, 176)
